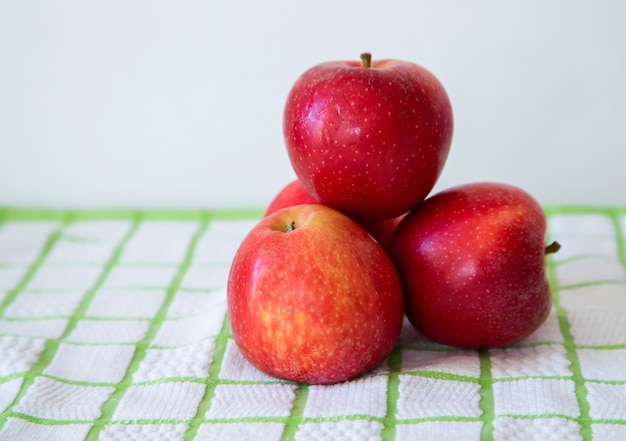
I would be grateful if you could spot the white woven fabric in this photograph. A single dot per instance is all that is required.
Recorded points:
(114, 327)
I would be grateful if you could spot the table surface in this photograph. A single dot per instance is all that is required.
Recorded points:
(113, 326)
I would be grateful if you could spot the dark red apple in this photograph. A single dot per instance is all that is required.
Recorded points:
(472, 261)
(369, 138)
(312, 297)
(382, 230)
(295, 194)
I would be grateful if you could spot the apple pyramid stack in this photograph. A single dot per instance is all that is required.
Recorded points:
(318, 289)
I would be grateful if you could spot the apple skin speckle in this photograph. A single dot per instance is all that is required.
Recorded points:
(320, 303)
(473, 267)
(387, 129)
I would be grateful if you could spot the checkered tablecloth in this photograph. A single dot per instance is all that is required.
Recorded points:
(113, 326)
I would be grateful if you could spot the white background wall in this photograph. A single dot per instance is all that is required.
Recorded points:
(179, 103)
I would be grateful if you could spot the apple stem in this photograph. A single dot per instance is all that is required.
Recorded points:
(366, 58)
(290, 227)
(553, 247)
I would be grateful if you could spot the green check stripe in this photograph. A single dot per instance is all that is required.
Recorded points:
(296, 415)
(34, 214)
(52, 345)
(616, 217)
(52, 240)
(584, 419)
(214, 370)
(393, 393)
(109, 407)
(486, 402)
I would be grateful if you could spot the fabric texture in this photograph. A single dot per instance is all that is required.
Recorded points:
(114, 326)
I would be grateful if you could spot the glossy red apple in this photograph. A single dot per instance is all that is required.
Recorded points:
(369, 138)
(295, 194)
(472, 261)
(312, 297)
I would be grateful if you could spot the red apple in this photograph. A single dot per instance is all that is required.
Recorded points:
(382, 230)
(290, 195)
(295, 194)
(472, 261)
(312, 297)
(369, 138)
